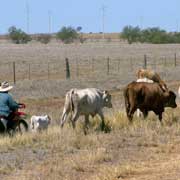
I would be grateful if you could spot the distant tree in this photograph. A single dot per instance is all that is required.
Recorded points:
(175, 37)
(18, 36)
(155, 35)
(44, 38)
(132, 34)
(67, 34)
(79, 28)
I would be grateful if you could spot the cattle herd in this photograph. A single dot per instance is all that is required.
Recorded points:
(148, 93)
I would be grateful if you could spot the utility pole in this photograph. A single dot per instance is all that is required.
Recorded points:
(141, 22)
(50, 21)
(27, 16)
(103, 19)
(177, 25)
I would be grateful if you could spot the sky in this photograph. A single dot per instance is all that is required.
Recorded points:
(43, 16)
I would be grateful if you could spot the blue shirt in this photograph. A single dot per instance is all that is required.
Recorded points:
(7, 104)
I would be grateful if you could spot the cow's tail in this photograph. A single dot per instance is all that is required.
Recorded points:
(68, 106)
(126, 98)
(71, 100)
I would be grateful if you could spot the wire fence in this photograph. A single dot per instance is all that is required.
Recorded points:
(90, 68)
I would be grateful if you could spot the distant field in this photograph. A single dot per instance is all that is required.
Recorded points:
(88, 64)
(142, 150)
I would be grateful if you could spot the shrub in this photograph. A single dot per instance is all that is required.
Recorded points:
(153, 35)
(18, 36)
(44, 38)
(132, 34)
(67, 34)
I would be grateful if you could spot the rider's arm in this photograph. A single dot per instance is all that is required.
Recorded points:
(13, 105)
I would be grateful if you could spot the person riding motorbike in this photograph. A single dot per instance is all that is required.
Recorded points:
(7, 105)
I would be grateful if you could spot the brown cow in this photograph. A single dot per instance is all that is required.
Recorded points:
(150, 74)
(147, 97)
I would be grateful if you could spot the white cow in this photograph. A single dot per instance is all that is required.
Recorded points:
(179, 91)
(139, 113)
(39, 123)
(85, 102)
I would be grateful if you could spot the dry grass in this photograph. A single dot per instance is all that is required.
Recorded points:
(128, 151)
(144, 149)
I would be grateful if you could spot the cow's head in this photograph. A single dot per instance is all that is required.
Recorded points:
(107, 99)
(171, 100)
(48, 118)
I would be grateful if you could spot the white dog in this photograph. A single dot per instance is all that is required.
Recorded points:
(39, 123)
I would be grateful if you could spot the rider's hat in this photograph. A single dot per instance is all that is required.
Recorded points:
(5, 87)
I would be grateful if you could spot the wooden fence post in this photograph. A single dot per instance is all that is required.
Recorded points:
(108, 66)
(29, 73)
(77, 68)
(67, 69)
(92, 64)
(48, 70)
(175, 63)
(145, 61)
(118, 65)
(165, 63)
(131, 62)
(155, 64)
(14, 72)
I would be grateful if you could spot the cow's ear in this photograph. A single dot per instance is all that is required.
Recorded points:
(106, 92)
(49, 117)
(172, 93)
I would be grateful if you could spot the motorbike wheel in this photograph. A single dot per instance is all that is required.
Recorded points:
(22, 126)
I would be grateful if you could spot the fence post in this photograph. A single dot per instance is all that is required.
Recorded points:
(118, 65)
(165, 63)
(108, 66)
(131, 62)
(145, 61)
(92, 64)
(67, 69)
(175, 60)
(14, 72)
(29, 72)
(155, 64)
(77, 68)
(48, 70)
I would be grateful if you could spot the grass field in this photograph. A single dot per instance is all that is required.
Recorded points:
(142, 150)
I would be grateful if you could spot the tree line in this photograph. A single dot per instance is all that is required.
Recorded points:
(153, 35)
(66, 35)
(69, 34)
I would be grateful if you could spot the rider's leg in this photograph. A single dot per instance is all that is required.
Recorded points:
(4, 124)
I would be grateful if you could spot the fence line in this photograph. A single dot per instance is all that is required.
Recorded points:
(87, 68)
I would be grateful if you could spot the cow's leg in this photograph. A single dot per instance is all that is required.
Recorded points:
(127, 107)
(64, 116)
(86, 124)
(159, 113)
(145, 114)
(139, 113)
(102, 118)
(160, 117)
(131, 113)
(74, 118)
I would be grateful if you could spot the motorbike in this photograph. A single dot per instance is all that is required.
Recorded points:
(16, 122)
